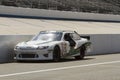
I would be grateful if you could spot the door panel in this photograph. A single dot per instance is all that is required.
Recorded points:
(65, 47)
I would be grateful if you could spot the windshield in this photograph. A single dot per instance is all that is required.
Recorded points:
(48, 36)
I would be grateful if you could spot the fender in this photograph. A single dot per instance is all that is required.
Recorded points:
(86, 45)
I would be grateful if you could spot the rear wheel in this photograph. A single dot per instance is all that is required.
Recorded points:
(56, 54)
(82, 54)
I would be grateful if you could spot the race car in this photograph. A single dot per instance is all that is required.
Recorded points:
(52, 45)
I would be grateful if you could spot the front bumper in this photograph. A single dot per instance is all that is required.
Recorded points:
(34, 54)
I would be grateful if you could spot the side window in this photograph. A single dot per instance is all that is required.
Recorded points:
(66, 37)
(75, 36)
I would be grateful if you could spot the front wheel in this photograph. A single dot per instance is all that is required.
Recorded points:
(82, 54)
(56, 54)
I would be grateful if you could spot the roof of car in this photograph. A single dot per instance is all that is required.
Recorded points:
(67, 31)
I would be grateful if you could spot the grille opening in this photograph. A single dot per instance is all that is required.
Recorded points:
(28, 56)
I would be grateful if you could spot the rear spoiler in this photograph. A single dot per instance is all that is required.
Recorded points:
(87, 37)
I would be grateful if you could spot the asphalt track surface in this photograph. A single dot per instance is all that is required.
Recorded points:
(24, 26)
(99, 67)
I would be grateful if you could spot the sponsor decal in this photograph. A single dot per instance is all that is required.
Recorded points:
(73, 51)
(64, 48)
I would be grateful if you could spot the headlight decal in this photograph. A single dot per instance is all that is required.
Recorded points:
(43, 47)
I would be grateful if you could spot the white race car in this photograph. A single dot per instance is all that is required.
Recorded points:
(52, 45)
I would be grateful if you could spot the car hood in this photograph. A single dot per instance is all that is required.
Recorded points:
(37, 43)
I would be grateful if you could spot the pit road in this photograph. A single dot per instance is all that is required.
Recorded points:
(99, 67)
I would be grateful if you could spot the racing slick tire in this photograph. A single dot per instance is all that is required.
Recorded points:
(56, 54)
(82, 53)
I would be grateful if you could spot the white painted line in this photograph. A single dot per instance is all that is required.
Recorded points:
(56, 69)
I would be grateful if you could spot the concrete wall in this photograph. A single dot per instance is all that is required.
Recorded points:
(41, 13)
(101, 44)
(105, 43)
